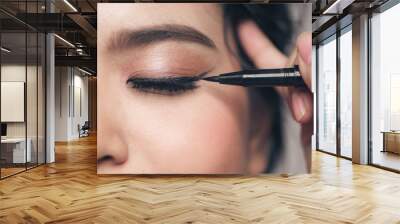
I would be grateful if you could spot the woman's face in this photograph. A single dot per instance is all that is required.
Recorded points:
(154, 117)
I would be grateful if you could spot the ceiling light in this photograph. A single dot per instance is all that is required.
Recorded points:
(64, 40)
(5, 50)
(70, 5)
(326, 11)
(338, 6)
(84, 71)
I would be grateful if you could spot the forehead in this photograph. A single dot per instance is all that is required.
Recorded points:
(205, 17)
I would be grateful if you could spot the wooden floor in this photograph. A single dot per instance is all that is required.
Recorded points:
(69, 191)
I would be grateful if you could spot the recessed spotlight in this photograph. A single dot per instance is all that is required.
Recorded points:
(64, 40)
(70, 5)
(84, 71)
(5, 50)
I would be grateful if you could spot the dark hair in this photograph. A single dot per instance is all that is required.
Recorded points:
(274, 21)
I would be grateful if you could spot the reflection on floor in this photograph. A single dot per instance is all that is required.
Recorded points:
(11, 169)
(69, 191)
(387, 159)
(346, 152)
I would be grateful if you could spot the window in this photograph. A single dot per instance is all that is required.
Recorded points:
(346, 92)
(314, 78)
(385, 89)
(327, 95)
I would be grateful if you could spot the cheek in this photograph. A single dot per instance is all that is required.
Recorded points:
(202, 132)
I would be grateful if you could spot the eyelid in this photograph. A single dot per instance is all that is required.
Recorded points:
(169, 72)
(167, 85)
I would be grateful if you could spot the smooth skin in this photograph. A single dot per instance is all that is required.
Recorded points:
(214, 129)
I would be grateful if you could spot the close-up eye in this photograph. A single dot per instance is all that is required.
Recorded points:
(170, 85)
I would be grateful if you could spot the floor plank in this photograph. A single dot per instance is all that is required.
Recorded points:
(69, 191)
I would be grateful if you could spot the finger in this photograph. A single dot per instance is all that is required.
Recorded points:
(285, 91)
(259, 48)
(301, 100)
(265, 55)
(292, 59)
(304, 46)
(305, 71)
(301, 104)
(304, 49)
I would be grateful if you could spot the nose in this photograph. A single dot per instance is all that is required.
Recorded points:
(112, 151)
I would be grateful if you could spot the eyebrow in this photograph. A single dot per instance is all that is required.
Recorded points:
(154, 34)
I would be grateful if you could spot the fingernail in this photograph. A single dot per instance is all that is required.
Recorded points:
(300, 106)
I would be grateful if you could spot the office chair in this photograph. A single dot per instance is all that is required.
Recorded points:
(84, 130)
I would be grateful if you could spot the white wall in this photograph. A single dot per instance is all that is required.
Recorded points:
(62, 81)
(80, 84)
(17, 72)
(12, 101)
(70, 83)
(9, 73)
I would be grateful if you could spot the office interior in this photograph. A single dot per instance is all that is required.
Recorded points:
(48, 94)
(356, 84)
(48, 81)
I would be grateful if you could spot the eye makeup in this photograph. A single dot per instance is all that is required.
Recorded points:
(168, 85)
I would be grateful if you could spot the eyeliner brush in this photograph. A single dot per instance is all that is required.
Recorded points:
(261, 77)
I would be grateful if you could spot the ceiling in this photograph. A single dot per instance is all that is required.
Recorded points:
(331, 15)
(76, 25)
(76, 22)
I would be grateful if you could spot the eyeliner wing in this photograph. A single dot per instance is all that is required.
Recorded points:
(163, 85)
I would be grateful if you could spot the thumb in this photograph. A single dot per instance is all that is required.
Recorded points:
(304, 49)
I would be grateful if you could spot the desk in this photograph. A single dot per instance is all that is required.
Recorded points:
(391, 141)
(15, 148)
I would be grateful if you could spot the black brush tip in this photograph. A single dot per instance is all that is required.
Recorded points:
(212, 78)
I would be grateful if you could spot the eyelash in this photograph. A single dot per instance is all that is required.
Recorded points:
(165, 85)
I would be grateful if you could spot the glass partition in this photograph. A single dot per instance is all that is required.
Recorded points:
(14, 152)
(41, 109)
(31, 100)
(23, 91)
(33, 65)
